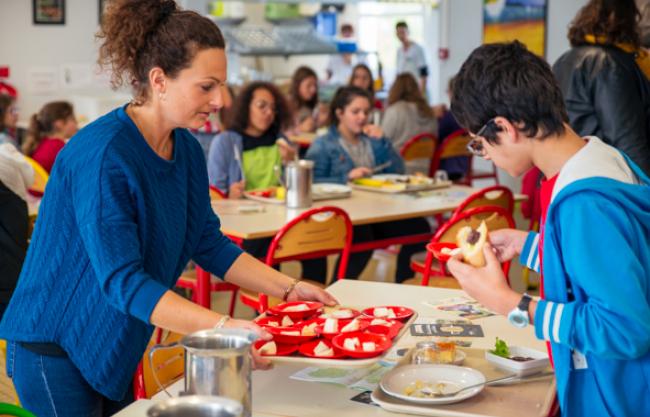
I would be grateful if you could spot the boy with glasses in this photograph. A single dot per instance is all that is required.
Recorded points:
(593, 249)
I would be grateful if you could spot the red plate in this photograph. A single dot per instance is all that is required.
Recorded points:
(307, 349)
(382, 344)
(401, 313)
(279, 337)
(312, 308)
(387, 330)
(363, 324)
(282, 349)
(264, 321)
(436, 250)
(354, 313)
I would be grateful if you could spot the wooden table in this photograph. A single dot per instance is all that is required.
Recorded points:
(275, 394)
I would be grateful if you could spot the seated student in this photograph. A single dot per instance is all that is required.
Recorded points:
(352, 149)
(594, 245)
(303, 99)
(408, 113)
(16, 175)
(456, 167)
(246, 156)
(215, 124)
(49, 129)
(362, 77)
(8, 119)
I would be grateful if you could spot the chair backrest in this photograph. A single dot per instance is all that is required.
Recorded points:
(454, 145)
(421, 146)
(40, 176)
(216, 194)
(497, 195)
(315, 233)
(495, 218)
(168, 364)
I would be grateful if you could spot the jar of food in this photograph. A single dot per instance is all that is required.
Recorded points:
(442, 352)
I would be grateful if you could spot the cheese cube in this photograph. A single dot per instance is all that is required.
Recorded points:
(272, 323)
(380, 322)
(352, 326)
(308, 330)
(380, 312)
(286, 321)
(297, 307)
(351, 343)
(391, 314)
(269, 348)
(369, 346)
(343, 313)
(331, 326)
(322, 349)
(290, 333)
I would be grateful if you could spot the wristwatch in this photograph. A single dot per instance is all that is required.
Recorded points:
(518, 317)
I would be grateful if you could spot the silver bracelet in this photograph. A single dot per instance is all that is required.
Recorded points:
(222, 320)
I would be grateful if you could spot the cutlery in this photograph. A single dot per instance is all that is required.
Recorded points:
(440, 394)
(381, 166)
(239, 163)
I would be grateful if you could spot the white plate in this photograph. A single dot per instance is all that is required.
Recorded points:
(454, 377)
(329, 188)
(539, 362)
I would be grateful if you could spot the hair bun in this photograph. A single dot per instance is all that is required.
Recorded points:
(167, 7)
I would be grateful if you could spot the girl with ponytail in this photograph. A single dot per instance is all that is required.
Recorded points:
(124, 211)
(48, 131)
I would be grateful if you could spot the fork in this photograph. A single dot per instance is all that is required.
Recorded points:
(239, 163)
(381, 166)
(439, 394)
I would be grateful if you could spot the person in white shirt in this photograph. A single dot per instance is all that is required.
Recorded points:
(340, 66)
(410, 56)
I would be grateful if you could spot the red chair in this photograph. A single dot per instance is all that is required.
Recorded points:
(419, 147)
(495, 218)
(497, 195)
(168, 365)
(200, 281)
(316, 233)
(455, 146)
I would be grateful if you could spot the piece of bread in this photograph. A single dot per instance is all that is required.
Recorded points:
(471, 245)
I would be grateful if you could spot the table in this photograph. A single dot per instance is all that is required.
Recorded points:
(274, 394)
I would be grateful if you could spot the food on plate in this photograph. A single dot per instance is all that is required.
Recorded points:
(290, 332)
(380, 322)
(271, 323)
(501, 348)
(450, 251)
(396, 182)
(368, 346)
(322, 349)
(296, 308)
(446, 352)
(286, 321)
(520, 358)
(381, 312)
(343, 313)
(351, 343)
(471, 242)
(269, 348)
(435, 352)
(331, 326)
(272, 192)
(352, 326)
(421, 389)
(308, 330)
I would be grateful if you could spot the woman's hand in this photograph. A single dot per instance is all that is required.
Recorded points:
(259, 361)
(287, 152)
(304, 291)
(373, 131)
(507, 243)
(236, 189)
(488, 284)
(359, 173)
(308, 125)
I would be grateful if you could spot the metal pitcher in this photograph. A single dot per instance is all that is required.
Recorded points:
(217, 362)
(298, 181)
(196, 406)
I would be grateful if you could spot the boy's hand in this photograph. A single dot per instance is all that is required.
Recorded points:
(487, 285)
(373, 131)
(507, 243)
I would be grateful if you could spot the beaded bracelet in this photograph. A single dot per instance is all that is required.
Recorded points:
(222, 320)
(290, 288)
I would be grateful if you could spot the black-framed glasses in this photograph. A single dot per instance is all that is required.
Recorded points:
(475, 146)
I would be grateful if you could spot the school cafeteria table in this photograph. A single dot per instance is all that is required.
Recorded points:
(275, 394)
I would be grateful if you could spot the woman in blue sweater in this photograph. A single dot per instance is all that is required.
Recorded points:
(353, 149)
(126, 208)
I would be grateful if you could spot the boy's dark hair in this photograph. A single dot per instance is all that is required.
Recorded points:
(401, 24)
(343, 97)
(610, 21)
(507, 80)
(240, 112)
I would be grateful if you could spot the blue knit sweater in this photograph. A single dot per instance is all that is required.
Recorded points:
(115, 229)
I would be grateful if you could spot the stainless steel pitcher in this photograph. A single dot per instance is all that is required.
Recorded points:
(217, 362)
(298, 181)
(196, 406)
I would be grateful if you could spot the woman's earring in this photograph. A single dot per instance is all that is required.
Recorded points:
(161, 96)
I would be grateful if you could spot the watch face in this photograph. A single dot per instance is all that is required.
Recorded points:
(518, 318)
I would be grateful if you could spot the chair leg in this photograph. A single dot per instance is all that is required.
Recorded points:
(202, 292)
(233, 302)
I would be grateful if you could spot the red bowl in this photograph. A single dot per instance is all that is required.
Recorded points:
(391, 330)
(354, 313)
(363, 324)
(280, 337)
(437, 247)
(307, 349)
(264, 321)
(382, 343)
(282, 348)
(312, 308)
(401, 313)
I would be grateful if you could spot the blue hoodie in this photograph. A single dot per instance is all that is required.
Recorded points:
(596, 311)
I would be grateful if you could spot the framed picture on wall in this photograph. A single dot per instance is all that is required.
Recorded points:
(48, 12)
(522, 20)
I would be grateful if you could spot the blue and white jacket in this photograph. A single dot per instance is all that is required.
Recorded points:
(332, 163)
(596, 266)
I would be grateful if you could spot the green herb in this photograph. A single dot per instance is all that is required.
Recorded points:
(501, 349)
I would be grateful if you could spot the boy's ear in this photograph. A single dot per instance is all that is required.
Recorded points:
(507, 130)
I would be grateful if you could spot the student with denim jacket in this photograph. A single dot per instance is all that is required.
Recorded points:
(352, 149)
